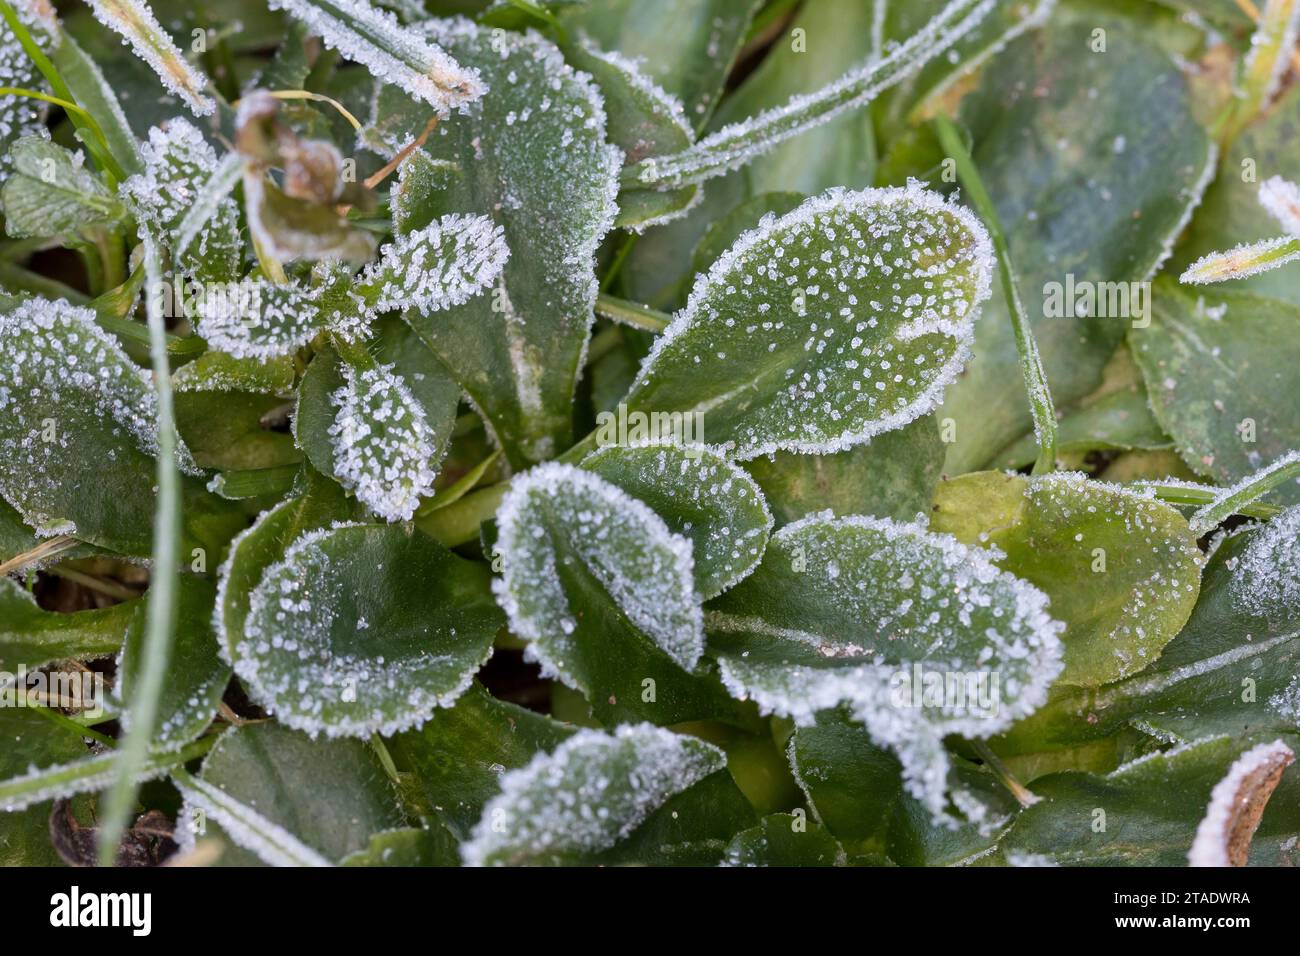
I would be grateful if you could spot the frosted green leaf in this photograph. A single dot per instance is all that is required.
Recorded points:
(702, 497)
(1159, 797)
(384, 447)
(246, 827)
(1244, 633)
(1219, 366)
(31, 740)
(844, 319)
(1242, 261)
(1122, 569)
(390, 462)
(258, 319)
(316, 503)
(221, 372)
(595, 790)
(439, 266)
(19, 116)
(559, 522)
(893, 476)
(197, 677)
(533, 153)
(83, 775)
(916, 634)
(137, 25)
(1266, 578)
(734, 145)
(644, 120)
(31, 636)
(707, 37)
(290, 800)
(50, 192)
(1231, 500)
(178, 162)
(78, 427)
(393, 53)
(362, 629)
(456, 759)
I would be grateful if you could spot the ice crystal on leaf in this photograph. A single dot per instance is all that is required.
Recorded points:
(394, 54)
(846, 318)
(919, 636)
(138, 26)
(364, 628)
(383, 445)
(592, 792)
(178, 162)
(258, 319)
(62, 380)
(19, 116)
(1267, 577)
(558, 522)
(437, 267)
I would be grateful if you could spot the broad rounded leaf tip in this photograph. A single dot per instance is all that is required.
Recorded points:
(592, 792)
(846, 318)
(363, 629)
(558, 521)
(918, 635)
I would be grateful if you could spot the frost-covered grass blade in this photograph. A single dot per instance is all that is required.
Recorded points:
(733, 146)
(392, 52)
(137, 25)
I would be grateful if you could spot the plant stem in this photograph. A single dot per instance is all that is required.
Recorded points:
(1262, 69)
(1031, 363)
(111, 589)
(79, 117)
(631, 313)
(620, 257)
(19, 277)
(458, 523)
(160, 611)
(1024, 796)
(71, 725)
(1232, 500)
(1180, 494)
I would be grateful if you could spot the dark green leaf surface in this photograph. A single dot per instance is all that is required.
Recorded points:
(701, 496)
(1220, 368)
(526, 159)
(289, 799)
(1121, 570)
(1099, 201)
(364, 628)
